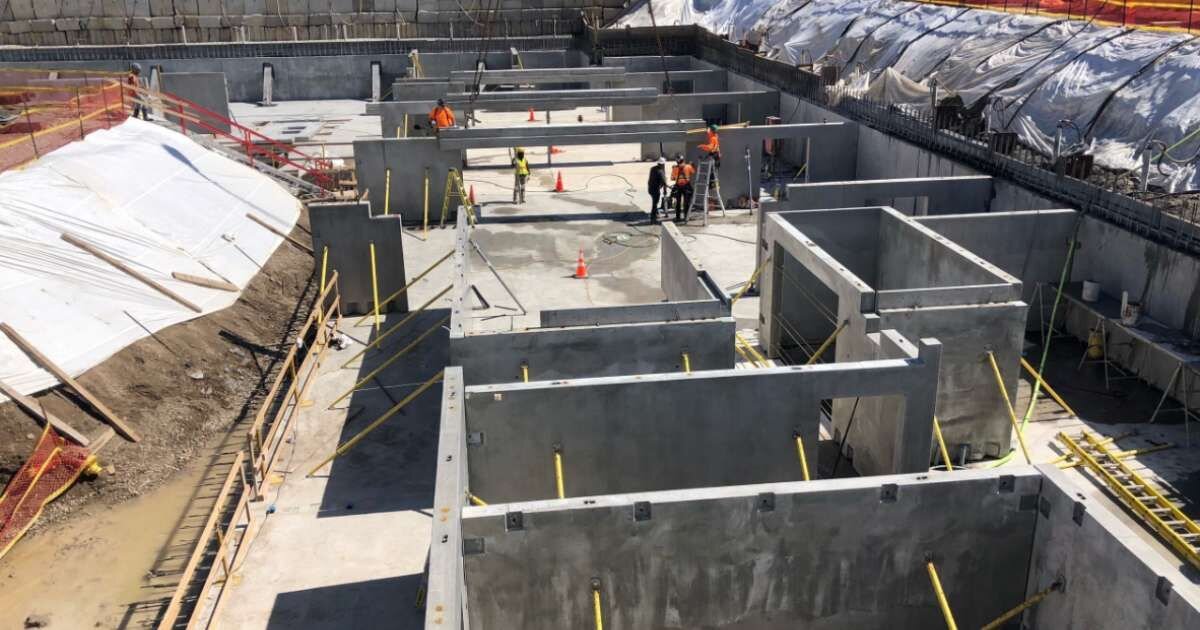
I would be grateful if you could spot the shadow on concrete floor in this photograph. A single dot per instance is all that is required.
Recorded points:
(393, 468)
(383, 603)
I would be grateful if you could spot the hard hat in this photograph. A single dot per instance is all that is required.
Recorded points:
(136, 67)
(662, 161)
(520, 150)
(441, 101)
(713, 127)
(678, 157)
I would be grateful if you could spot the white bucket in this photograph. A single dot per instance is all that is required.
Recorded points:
(1091, 291)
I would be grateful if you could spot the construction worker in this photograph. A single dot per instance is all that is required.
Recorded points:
(134, 80)
(712, 147)
(520, 175)
(441, 116)
(657, 187)
(683, 190)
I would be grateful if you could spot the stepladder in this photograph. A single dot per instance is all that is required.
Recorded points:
(706, 186)
(455, 195)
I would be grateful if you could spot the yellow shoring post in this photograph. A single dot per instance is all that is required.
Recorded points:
(742, 353)
(1023, 606)
(349, 444)
(937, 432)
(558, 471)
(1049, 390)
(687, 363)
(407, 318)
(425, 223)
(941, 596)
(324, 266)
(758, 357)
(476, 500)
(387, 192)
(825, 344)
(405, 128)
(801, 455)
(596, 605)
(1012, 415)
(750, 282)
(524, 371)
(390, 361)
(410, 284)
(1124, 454)
(375, 287)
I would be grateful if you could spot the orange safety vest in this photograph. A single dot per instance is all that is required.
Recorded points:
(675, 173)
(442, 117)
(713, 145)
(685, 175)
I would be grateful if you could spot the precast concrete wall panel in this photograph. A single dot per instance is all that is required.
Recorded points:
(408, 160)
(348, 229)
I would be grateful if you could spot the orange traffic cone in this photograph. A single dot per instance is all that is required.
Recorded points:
(555, 150)
(580, 266)
(558, 186)
(532, 118)
(471, 195)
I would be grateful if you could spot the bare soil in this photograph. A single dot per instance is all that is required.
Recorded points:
(179, 389)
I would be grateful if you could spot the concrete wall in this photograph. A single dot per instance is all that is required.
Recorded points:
(206, 89)
(347, 229)
(681, 277)
(558, 353)
(373, 158)
(831, 554)
(1113, 579)
(444, 594)
(937, 195)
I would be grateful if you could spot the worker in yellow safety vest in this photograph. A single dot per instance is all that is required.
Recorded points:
(520, 175)
(441, 116)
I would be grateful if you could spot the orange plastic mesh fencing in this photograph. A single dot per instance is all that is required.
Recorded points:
(1162, 15)
(42, 111)
(53, 467)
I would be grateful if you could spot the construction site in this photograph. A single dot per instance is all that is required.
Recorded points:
(592, 314)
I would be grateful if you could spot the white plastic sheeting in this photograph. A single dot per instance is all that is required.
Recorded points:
(151, 198)
(1121, 88)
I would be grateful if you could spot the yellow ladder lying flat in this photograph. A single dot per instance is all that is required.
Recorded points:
(455, 190)
(1179, 531)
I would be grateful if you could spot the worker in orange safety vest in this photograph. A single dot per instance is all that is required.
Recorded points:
(712, 146)
(441, 116)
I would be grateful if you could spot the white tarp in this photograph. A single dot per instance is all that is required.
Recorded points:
(883, 47)
(923, 55)
(151, 198)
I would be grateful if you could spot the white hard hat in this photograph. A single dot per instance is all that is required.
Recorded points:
(662, 160)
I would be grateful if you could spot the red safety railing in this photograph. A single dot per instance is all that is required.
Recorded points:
(1158, 15)
(257, 146)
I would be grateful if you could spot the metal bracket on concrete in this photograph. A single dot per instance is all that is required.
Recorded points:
(472, 546)
(766, 502)
(1006, 483)
(514, 521)
(1028, 502)
(1163, 590)
(888, 493)
(1077, 513)
(641, 511)
(475, 438)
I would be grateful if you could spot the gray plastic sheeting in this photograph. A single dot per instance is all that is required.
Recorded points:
(1120, 89)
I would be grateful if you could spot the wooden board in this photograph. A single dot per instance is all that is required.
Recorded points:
(209, 283)
(137, 275)
(33, 408)
(280, 232)
(46, 364)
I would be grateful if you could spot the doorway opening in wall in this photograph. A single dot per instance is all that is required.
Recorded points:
(806, 313)
(846, 423)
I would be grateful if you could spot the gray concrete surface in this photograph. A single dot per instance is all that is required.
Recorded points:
(846, 553)
(206, 89)
(347, 229)
(411, 161)
(915, 196)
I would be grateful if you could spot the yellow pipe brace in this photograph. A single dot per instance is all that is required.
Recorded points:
(825, 345)
(1049, 390)
(1023, 606)
(379, 338)
(425, 223)
(324, 266)
(937, 432)
(596, 607)
(349, 444)
(395, 357)
(742, 353)
(1012, 415)
(803, 458)
(476, 500)
(524, 371)
(941, 596)
(375, 286)
(558, 472)
(750, 282)
(758, 357)
(687, 363)
(410, 284)
(387, 192)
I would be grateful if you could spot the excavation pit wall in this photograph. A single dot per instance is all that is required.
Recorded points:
(873, 269)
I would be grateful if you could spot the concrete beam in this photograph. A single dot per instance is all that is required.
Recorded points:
(538, 75)
(637, 313)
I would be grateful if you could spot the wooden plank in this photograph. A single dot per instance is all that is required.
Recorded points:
(137, 275)
(48, 365)
(33, 408)
(280, 232)
(102, 440)
(220, 285)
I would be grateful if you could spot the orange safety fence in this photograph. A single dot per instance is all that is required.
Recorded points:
(1161, 15)
(53, 467)
(42, 111)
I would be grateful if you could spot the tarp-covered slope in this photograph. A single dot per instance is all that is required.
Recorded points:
(1118, 89)
(154, 200)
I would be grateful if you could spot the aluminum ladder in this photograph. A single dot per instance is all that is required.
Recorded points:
(704, 181)
(455, 190)
(1139, 495)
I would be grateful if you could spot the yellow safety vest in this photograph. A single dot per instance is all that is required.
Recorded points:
(522, 166)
